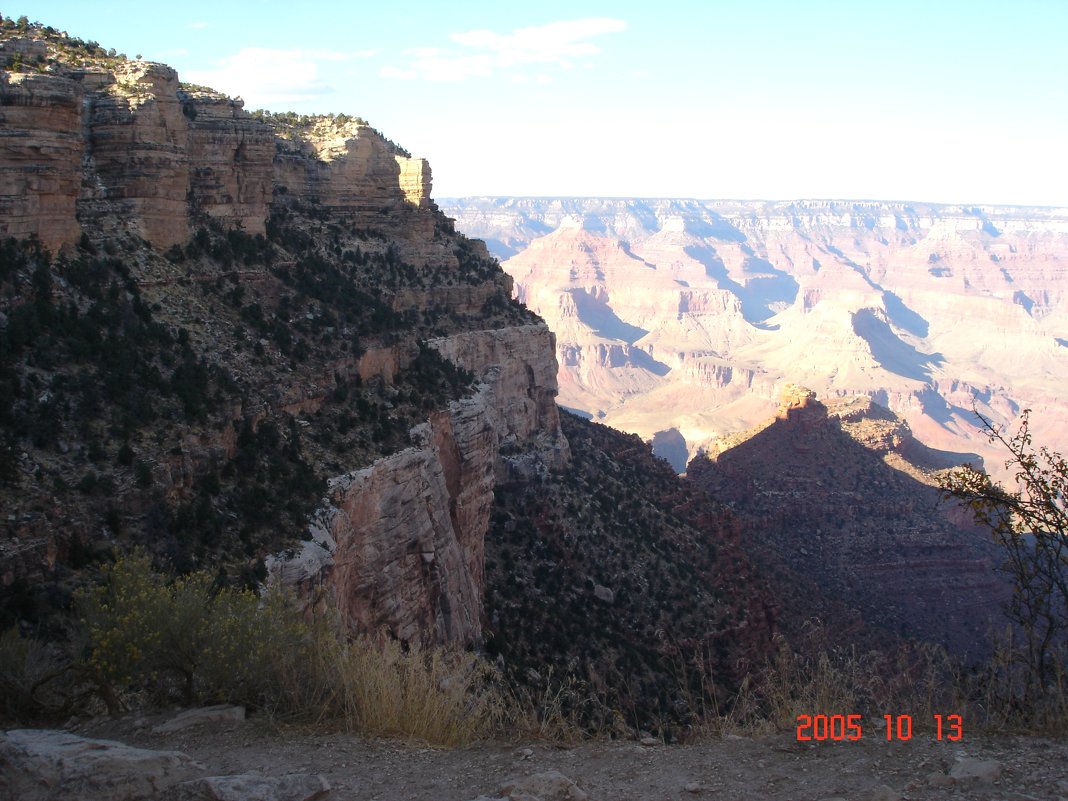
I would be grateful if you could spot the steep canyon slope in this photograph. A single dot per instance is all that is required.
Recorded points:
(844, 502)
(249, 342)
(681, 320)
(252, 342)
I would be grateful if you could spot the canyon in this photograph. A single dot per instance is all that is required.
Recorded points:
(253, 343)
(259, 346)
(682, 320)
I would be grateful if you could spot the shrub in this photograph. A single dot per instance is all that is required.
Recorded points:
(186, 638)
(205, 644)
(1030, 524)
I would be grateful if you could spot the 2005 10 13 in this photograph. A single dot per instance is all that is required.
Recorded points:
(839, 728)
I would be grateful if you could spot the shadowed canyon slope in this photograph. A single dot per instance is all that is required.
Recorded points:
(844, 502)
(681, 320)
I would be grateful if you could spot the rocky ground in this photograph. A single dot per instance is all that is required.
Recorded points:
(981, 766)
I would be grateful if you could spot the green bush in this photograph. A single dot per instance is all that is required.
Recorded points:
(187, 638)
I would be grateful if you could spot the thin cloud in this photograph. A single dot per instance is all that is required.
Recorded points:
(485, 52)
(198, 26)
(268, 77)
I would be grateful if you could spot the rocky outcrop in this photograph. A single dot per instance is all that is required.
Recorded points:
(38, 765)
(128, 151)
(44, 765)
(231, 159)
(127, 148)
(358, 178)
(519, 368)
(306, 329)
(399, 546)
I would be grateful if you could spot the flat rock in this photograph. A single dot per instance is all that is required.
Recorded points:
(251, 787)
(884, 793)
(936, 779)
(36, 765)
(222, 713)
(550, 785)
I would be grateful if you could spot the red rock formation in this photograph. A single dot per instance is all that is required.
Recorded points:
(127, 148)
(398, 546)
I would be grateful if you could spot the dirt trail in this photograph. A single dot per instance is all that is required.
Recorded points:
(1010, 768)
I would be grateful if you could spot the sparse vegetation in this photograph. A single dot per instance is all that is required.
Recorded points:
(101, 384)
(140, 637)
(1029, 678)
(603, 577)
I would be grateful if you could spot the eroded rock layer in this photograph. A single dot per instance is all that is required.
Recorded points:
(399, 545)
(132, 149)
(686, 318)
(843, 495)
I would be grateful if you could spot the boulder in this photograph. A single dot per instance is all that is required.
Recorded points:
(44, 765)
(221, 713)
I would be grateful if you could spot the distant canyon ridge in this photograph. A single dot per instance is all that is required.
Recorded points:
(682, 320)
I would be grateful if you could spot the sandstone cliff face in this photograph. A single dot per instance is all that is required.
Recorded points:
(40, 179)
(398, 547)
(354, 175)
(127, 148)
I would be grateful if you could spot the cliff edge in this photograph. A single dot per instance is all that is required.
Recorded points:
(250, 341)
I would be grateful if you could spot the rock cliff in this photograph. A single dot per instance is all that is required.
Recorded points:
(399, 545)
(690, 316)
(124, 144)
(261, 347)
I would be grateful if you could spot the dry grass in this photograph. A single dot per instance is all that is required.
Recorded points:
(566, 710)
(813, 677)
(440, 696)
(26, 666)
(1004, 695)
(140, 632)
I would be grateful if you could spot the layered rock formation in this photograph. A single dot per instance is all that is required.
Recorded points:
(124, 144)
(252, 314)
(849, 519)
(399, 545)
(692, 315)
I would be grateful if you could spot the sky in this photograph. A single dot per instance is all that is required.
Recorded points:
(953, 101)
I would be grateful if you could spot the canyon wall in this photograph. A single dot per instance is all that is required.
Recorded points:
(690, 316)
(844, 495)
(130, 149)
(312, 317)
(399, 546)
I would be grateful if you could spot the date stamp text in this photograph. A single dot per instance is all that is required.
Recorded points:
(850, 728)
